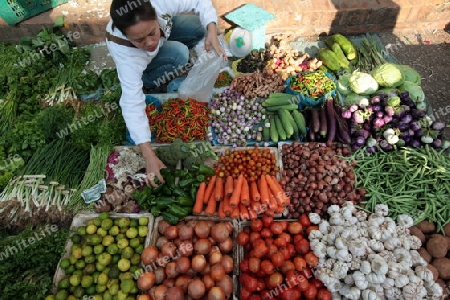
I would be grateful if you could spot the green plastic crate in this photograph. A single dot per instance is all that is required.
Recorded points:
(15, 11)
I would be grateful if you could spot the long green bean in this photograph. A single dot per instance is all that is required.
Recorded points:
(410, 181)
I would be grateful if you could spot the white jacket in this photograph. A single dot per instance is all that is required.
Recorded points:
(131, 62)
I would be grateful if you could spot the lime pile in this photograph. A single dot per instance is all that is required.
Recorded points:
(104, 255)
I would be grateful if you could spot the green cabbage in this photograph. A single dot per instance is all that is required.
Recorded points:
(343, 85)
(388, 75)
(353, 98)
(362, 83)
(415, 91)
(410, 74)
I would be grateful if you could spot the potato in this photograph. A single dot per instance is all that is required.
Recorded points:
(448, 243)
(425, 255)
(435, 272)
(426, 226)
(414, 230)
(437, 246)
(447, 229)
(443, 267)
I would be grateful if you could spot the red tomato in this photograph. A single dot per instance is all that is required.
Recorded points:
(299, 263)
(256, 225)
(291, 249)
(257, 242)
(285, 236)
(285, 225)
(243, 238)
(302, 246)
(247, 229)
(267, 267)
(266, 233)
(297, 238)
(304, 220)
(267, 220)
(288, 265)
(261, 284)
(266, 295)
(311, 259)
(307, 273)
(285, 251)
(277, 259)
(248, 247)
(260, 250)
(279, 242)
(250, 284)
(291, 278)
(254, 297)
(310, 292)
(272, 249)
(295, 228)
(274, 280)
(243, 265)
(276, 228)
(317, 283)
(269, 241)
(302, 283)
(289, 294)
(254, 236)
(323, 294)
(245, 294)
(254, 264)
(311, 228)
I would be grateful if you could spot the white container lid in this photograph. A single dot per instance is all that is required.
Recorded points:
(240, 42)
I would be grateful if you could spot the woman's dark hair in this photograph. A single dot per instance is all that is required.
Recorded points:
(126, 13)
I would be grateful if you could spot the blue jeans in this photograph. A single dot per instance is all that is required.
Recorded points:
(173, 56)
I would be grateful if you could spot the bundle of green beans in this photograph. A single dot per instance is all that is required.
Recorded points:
(410, 181)
(94, 173)
(59, 161)
(370, 53)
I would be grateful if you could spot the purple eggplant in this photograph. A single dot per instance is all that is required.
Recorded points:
(355, 147)
(377, 108)
(372, 149)
(404, 95)
(438, 126)
(382, 96)
(408, 102)
(407, 140)
(411, 132)
(437, 143)
(378, 122)
(353, 108)
(415, 143)
(379, 114)
(406, 119)
(370, 108)
(362, 132)
(417, 113)
(359, 140)
(390, 111)
(387, 119)
(403, 127)
(404, 135)
(367, 126)
(418, 133)
(375, 100)
(414, 126)
(346, 114)
(385, 146)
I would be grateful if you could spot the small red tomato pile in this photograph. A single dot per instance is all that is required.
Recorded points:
(277, 261)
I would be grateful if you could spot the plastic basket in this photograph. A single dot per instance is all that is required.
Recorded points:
(15, 11)
(305, 101)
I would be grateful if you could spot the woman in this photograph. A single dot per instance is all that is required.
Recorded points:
(149, 43)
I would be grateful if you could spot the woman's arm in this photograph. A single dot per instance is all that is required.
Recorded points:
(153, 163)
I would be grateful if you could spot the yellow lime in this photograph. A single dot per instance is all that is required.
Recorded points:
(87, 281)
(97, 222)
(81, 230)
(62, 295)
(90, 269)
(102, 232)
(98, 249)
(143, 221)
(143, 231)
(124, 264)
(80, 264)
(86, 250)
(78, 291)
(114, 230)
(102, 279)
(104, 258)
(50, 297)
(75, 280)
(77, 253)
(107, 240)
(114, 289)
(125, 275)
(112, 249)
(122, 243)
(91, 229)
(121, 295)
(100, 288)
(127, 252)
(132, 233)
(107, 224)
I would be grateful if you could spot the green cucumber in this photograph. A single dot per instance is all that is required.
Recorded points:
(300, 121)
(281, 132)
(285, 118)
(273, 130)
(286, 107)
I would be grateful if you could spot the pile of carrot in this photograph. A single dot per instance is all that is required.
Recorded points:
(239, 198)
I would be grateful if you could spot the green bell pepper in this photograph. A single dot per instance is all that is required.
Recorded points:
(155, 211)
(186, 182)
(172, 219)
(184, 201)
(179, 211)
(179, 192)
(163, 202)
(193, 190)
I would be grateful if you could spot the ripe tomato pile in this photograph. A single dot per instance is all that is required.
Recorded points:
(278, 260)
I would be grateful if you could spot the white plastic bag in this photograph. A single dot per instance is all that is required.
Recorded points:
(200, 80)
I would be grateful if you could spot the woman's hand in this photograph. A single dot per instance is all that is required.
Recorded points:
(153, 164)
(212, 41)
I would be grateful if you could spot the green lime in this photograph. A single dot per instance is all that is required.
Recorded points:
(62, 295)
(87, 250)
(87, 281)
(143, 231)
(136, 270)
(114, 289)
(135, 242)
(50, 297)
(80, 264)
(127, 252)
(97, 222)
(114, 230)
(125, 275)
(65, 263)
(72, 259)
(143, 221)
(75, 280)
(120, 236)
(100, 267)
(107, 224)
(78, 272)
(81, 230)
(90, 259)
(124, 222)
(116, 258)
(114, 272)
(107, 240)
(90, 269)
(100, 288)
(78, 292)
(70, 270)
(122, 243)
(139, 249)
(112, 249)
(107, 295)
(91, 290)
(127, 285)
(64, 283)
(132, 233)
(76, 238)
(104, 258)
(98, 249)
(134, 222)
(104, 215)
(95, 276)
(102, 279)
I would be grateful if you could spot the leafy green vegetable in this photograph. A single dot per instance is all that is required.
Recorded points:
(53, 119)
(415, 91)
(388, 75)
(24, 139)
(410, 74)
(362, 83)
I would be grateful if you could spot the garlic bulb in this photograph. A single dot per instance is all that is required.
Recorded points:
(381, 210)
(378, 264)
(424, 273)
(392, 243)
(336, 219)
(401, 280)
(369, 295)
(324, 227)
(405, 220)
(333, 209)
(351, 292)
(340, 269)
(314, 218)
(375, 245)
(365, 267)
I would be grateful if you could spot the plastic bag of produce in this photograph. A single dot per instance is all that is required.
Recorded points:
(200, 80)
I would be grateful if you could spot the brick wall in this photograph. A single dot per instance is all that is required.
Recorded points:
(298, 17)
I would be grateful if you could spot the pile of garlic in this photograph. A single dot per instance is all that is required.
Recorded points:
(370, 256)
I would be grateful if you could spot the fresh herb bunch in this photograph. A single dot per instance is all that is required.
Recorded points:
(53, 119)
(86, 82)
(110, 79)
(24, 139)
(28, 273)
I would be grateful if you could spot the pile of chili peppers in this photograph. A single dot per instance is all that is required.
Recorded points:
(186, 120)
(224, 79)
(312, 84)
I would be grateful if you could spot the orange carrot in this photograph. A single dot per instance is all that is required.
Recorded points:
(218, 190)
(245, 192)
(198, 206)
(273, 202)
(235, 213)
(236, 196)
(286, 198)
(264, 190)
(229, 186)
(252, 214)
(221, 213)
(210, 189)
(254, 191)
(227, 209)
(244, 212)
(278, 193)
(211, 205)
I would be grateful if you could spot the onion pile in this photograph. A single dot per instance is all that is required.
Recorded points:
(190, 260)
(315, 177)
